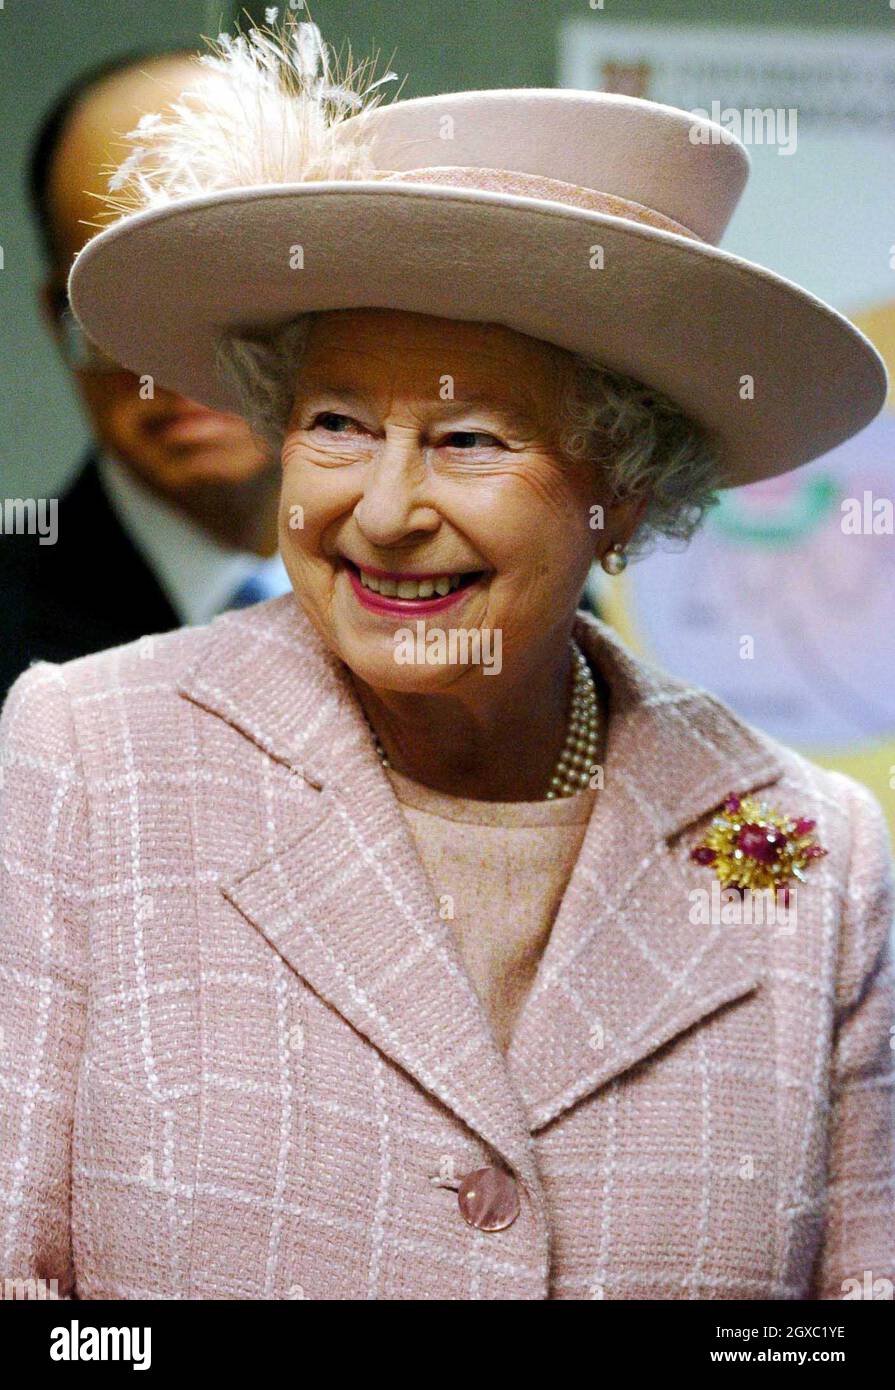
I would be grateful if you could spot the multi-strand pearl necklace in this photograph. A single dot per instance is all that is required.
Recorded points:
(573, 771)
(579, 754)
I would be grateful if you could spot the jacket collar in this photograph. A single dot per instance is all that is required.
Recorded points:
(347, 904)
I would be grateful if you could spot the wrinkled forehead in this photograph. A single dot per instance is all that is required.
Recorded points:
(417, 354)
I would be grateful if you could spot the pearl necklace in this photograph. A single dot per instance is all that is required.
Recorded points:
(579, 752)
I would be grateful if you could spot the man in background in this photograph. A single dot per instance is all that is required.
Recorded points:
(172, 516)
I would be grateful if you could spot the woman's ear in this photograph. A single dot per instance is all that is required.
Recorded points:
(624, 518)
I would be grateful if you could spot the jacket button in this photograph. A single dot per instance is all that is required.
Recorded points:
(489, 1199)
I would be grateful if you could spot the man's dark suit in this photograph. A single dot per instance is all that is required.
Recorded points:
(90, 590)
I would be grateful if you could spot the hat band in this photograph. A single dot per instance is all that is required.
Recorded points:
(514, 182)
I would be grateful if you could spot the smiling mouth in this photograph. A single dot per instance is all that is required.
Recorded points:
(421, 588)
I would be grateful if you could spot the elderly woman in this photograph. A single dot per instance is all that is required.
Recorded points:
(365, 944)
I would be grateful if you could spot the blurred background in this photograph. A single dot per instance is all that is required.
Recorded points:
(780, 606)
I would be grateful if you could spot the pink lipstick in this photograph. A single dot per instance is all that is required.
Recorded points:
(405, 607)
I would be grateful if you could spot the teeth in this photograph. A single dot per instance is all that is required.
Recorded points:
(411, 588)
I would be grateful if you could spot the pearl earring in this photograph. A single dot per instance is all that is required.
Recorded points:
(615, 559)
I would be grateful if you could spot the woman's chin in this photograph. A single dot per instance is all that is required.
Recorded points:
(391, 652)
(375, 662)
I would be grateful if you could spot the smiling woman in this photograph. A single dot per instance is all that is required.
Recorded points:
(423, 454)
(640, 441)
(421, 1004)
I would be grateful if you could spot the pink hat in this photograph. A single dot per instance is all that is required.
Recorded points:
(585, 219)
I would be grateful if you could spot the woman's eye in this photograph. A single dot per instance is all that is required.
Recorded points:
(473, 439)
(334, 423)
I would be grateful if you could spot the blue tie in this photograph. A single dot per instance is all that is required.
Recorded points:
(257, 587)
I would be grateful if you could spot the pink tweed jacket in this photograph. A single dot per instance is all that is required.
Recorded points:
(241, 1057)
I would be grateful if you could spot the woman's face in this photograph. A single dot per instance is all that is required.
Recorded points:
(422, 451)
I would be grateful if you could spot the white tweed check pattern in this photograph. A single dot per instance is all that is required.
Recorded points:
(240, 1056)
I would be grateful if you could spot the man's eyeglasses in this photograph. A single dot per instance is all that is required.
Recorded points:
(77, 349)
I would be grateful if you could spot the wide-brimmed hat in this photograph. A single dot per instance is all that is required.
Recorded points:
(586, 219)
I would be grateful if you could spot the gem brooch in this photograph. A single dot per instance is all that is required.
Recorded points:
(751, 846)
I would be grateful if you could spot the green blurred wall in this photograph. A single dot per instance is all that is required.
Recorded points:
(512, 43)
(439, 45)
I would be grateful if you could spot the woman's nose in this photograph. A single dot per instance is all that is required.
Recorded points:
(394, 501)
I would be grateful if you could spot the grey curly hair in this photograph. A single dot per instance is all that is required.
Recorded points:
(647, 446)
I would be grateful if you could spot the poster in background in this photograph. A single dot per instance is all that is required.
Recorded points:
(777, 561)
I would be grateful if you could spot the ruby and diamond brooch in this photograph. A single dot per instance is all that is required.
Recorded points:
(751, 846)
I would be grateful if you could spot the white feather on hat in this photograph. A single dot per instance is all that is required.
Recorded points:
(267, 108)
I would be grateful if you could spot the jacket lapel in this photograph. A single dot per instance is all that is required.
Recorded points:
(346, 901)
(628, 966)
